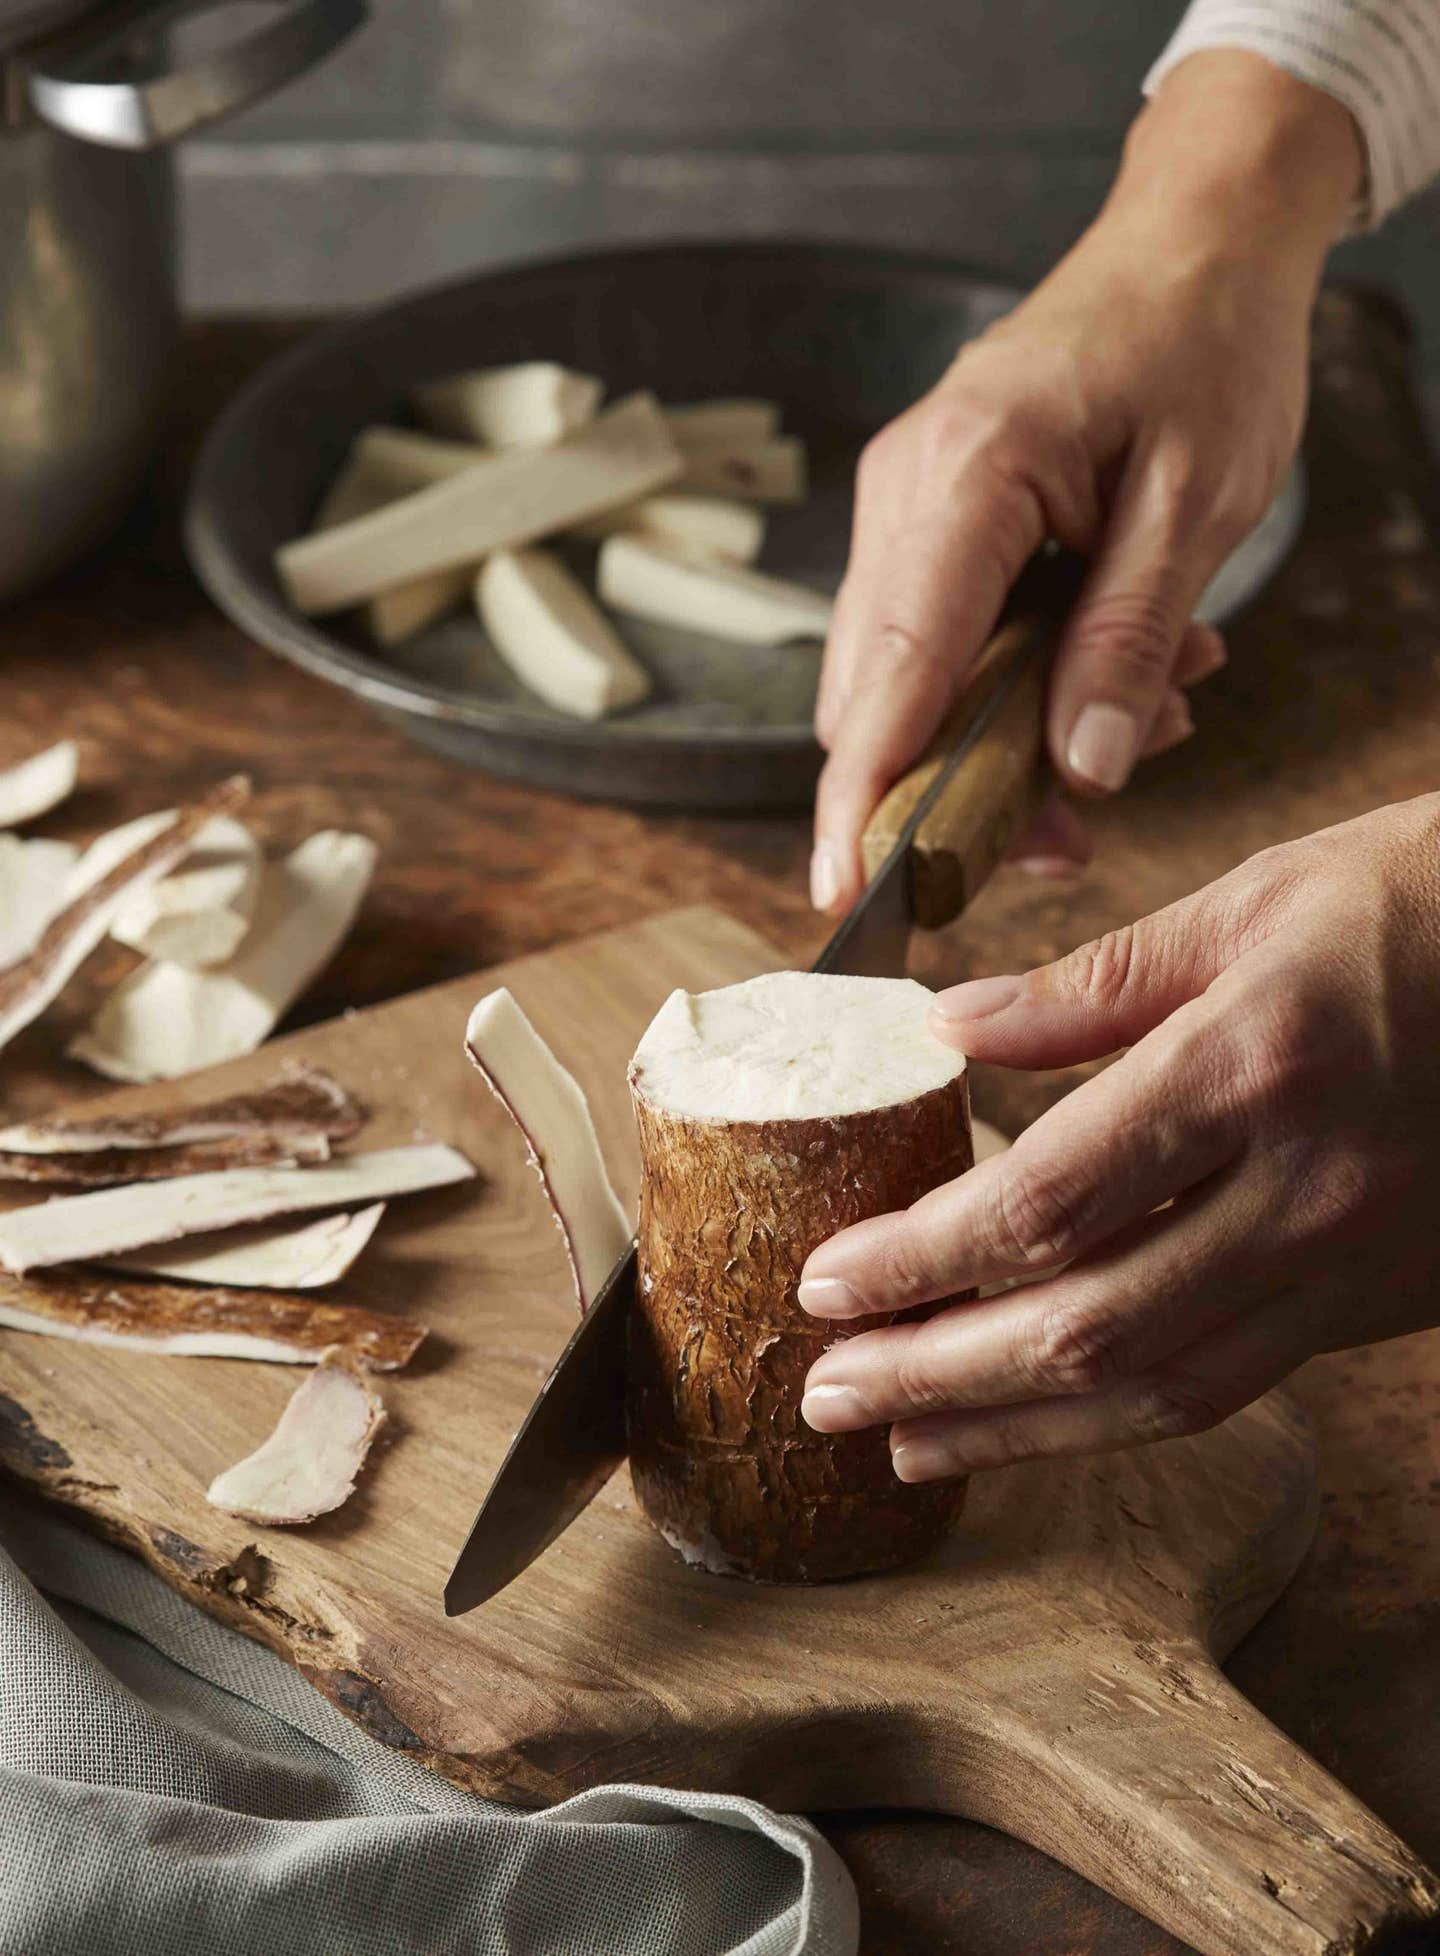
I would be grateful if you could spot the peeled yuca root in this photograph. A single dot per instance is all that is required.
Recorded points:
(772, 1114)
(545, 628)
(702, 595)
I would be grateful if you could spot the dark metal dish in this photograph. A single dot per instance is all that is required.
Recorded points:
(844, 338)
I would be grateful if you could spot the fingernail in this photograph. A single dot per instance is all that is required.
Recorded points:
(830, 1297)
(1063, 867)
(824, 877)
(833, 1408)
(979, 999)
(923, 1460)
(1104, 745)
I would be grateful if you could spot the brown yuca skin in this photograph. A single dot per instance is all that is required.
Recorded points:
(721, 1460)
(82, 1304)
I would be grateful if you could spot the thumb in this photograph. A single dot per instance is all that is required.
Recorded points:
(1115, 663)
(1111, 992)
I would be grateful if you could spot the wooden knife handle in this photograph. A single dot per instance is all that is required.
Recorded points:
(997, 788)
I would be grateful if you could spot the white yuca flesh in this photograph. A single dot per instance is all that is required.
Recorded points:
(164, 1021)
(398, 460)
(34, 877)
(706, 526)
(106, 1222)
(34, 787)
(510, 498)
(310, 1463)
(702, 595)
(544, 626)
(793, 1046)
(367, 483)
(263, 1256)
(198, 915)
(549, 1107)
(772, 471)
(710, 424)
(519, 406)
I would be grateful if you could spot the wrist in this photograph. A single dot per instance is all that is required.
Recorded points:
(1236, 157)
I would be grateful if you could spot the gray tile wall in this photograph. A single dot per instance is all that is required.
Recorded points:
(456, 133)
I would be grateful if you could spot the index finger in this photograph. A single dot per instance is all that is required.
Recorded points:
(1143, 1131)
(911, 622)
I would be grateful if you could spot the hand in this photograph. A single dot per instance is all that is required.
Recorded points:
(1281, 1093)
(1141, 406)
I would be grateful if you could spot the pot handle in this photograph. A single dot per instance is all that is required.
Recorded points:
(119, 88)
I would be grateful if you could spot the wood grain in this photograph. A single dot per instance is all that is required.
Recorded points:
(1051, 1670)
(1330, 705)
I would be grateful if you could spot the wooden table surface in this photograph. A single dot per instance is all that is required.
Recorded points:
(1330, 705)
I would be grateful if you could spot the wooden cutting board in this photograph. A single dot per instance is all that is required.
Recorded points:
(1052, 1672)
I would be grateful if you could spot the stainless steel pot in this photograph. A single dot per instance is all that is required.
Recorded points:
(87, 250)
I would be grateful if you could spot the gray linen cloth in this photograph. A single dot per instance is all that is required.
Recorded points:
(168, 1788)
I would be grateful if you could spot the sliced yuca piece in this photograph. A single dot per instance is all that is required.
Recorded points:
(405, 458)
(198, 915)
(266, 1256)
(107, 1222)
(369, 481)
(708, 424)
(192, 1323)
(549, 1107)
(92, 903)
(705, 526)
(544, 626)
(34, 879)
(770, 1115)
(704, 595)
(36, 786)
(164, 1021)
(510, 407)
(508, 499)
(770, 471)
(310, 1463)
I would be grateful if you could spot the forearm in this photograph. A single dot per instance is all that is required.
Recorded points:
(1232, 156)
(1380, 60)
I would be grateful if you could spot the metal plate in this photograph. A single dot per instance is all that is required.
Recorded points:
(845, 339)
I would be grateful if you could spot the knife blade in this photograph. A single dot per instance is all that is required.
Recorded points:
(573, 1438)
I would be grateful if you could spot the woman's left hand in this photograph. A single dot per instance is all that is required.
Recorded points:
(1281, 1095)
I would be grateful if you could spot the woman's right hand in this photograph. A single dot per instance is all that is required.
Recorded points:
(1141, 406)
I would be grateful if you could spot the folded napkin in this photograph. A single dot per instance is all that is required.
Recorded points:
(168, 1788)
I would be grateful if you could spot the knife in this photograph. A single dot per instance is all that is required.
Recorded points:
(929, 848)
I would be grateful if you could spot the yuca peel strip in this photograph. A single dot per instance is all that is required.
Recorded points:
(34, 787)
(103, 1168)
(510, 498)
(310, 1463)
(263, 1256)
(177, 1320)
(34, 883)
(197, 915)
(105, 1222)
(73, 933)
(549, 1107)
(302, 1103)
(163, 1021)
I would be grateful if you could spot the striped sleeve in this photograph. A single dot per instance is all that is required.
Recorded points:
(1381, 58)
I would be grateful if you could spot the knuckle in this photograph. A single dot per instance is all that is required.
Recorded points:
(1165, 1407)
(1101, 970)
(1133, 632)
(1335, 1195)
(905, 1275)
(1033, 1221)
(1278, 1059)
(1072, 1351)
(921, 1388)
